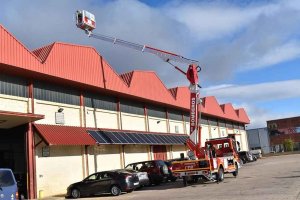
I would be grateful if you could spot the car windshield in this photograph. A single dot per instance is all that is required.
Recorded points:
(6, 178)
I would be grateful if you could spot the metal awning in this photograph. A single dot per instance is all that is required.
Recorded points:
(122, 137)
(64, 135)
(14, 119)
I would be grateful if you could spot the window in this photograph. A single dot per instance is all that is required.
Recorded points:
(213, 121)
(13, 86)
(55, 93)
(101, 102)
(228, 124)
(156, 111)
(222, 123)
(175, 115)
(132, 107)
(186, 117)
(204, 120)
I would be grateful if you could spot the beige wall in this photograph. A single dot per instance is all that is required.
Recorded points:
(133, 122)
(157, 127)
(14, 104)
(104, 118)
(214, 132)
(187, 128)
(244, 140)
(177, 150)
(223, 132)
(107, 157)
(179, 124)
(135, 153)
(63, 167)
(71, 113)
(204, 134)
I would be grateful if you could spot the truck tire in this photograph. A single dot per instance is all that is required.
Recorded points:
(220, 174)
(236, 172)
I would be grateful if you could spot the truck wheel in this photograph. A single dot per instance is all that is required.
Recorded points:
(220, 174)
(236, 172)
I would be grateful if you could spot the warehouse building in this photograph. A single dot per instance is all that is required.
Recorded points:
(259, 139)
(282, 129)
(65, 113)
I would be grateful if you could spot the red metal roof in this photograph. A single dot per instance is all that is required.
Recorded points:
(83, 65)
(64, 135)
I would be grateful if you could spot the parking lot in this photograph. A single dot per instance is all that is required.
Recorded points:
(276, 177)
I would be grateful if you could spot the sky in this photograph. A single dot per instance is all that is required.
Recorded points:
(249, 50)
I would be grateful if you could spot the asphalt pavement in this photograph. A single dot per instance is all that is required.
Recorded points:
(276, 178)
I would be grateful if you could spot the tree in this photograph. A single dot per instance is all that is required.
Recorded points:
(288, 144)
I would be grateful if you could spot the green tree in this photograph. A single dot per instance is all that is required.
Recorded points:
(288, 144)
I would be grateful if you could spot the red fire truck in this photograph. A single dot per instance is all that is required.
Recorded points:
(219, 156)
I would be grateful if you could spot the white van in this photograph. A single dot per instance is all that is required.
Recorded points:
(8, 185)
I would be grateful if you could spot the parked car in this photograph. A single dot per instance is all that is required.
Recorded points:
(157, 170)
(247, 156)
(8, 185)
(170, 177)
(114, 182)
(143, 177)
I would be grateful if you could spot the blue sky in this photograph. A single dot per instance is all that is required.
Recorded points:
(249, 50)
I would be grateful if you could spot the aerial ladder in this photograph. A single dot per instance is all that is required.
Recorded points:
(87, 22)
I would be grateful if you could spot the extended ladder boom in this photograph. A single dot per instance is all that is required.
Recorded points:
(87, 22)
(166, 56)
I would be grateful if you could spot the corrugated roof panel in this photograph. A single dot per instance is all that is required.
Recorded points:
(64, 135)
(85, 66)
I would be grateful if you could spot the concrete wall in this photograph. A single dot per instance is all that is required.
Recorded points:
(223, 132)
(71, 113)
(214, 132)
(103, 118)
(157, 125)
(244, 141)
(133, 122)
(177, 150)
(179, 124)
(107, 157)
(63, 167)
(204, 134)
(135, 153)
(14, 104)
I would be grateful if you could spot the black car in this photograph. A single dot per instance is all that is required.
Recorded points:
(157, 170)
(246, 156)
(114, 182)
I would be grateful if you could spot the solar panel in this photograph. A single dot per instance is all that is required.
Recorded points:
(110, 137)
(129, 137)
(98, 137)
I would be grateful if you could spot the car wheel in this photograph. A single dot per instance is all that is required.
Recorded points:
(220, 174)
(236, 172)
(75, 193)
(115, 190)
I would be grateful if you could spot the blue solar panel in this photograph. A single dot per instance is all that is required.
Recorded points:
(111, 137)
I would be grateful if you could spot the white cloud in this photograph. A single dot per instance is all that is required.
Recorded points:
(269, 91)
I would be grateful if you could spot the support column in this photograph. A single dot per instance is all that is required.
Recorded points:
(31, 178)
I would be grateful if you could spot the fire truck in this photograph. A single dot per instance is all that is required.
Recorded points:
(219, 156)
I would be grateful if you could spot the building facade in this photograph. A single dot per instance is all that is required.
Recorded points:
(259, 139)
(282, 129)
(65, 113)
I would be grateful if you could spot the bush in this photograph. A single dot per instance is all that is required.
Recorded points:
(288, 144)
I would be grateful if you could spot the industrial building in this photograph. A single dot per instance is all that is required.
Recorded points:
(65, 113)
(259, 139)
(282, 129)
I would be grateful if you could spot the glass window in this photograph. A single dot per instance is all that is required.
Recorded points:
(101, 102)
(213, 121)
(175, 115)
(6, 178)
(13, 86)
(156, 111)
(132, 107)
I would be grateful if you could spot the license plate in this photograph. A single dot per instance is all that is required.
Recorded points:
(135, 183)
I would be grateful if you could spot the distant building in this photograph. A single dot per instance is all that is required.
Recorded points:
(259, 139)
(282, 129)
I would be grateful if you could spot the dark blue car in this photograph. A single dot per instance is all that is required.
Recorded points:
(8, 185)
